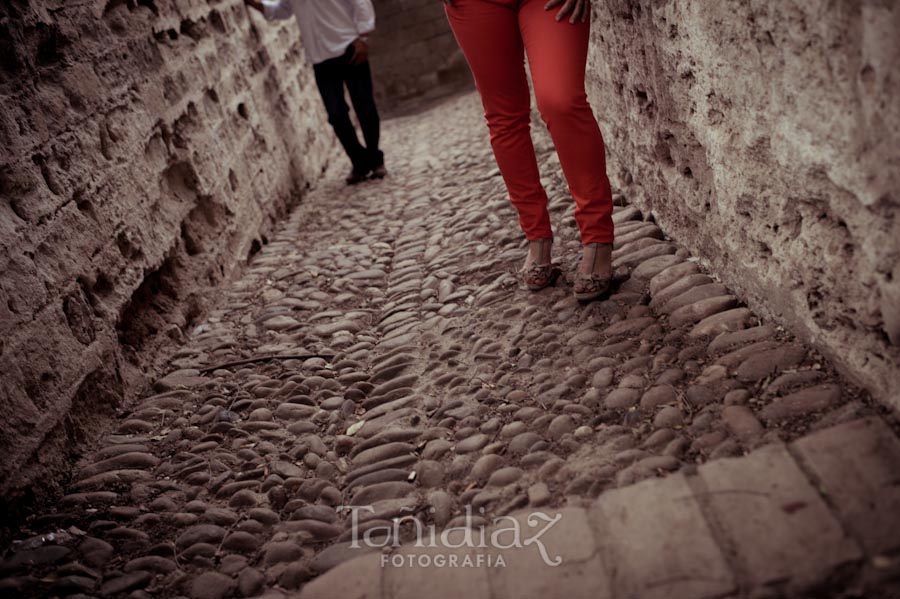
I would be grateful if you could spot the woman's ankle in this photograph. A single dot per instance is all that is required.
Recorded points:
(540, 251)
(596, 259)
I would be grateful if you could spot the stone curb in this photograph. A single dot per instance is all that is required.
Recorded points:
(784, 519)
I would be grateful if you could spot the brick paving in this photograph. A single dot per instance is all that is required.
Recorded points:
(378, 352)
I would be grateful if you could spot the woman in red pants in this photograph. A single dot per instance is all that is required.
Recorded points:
(495, 36)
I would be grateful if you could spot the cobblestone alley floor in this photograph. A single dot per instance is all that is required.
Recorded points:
(378, 351)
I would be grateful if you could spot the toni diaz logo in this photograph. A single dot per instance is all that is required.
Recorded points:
(505, 532)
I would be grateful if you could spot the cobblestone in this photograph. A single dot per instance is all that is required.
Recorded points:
(378, 351)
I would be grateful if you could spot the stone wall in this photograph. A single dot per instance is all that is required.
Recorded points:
(765, 137)
(149, 145)
(414, 55)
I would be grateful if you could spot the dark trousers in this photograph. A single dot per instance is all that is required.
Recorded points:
(331, 77)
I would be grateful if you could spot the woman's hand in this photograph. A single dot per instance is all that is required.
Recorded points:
(580, 9)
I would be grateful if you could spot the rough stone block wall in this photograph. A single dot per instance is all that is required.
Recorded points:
(765, 137)
(414, 54)
(148, 146)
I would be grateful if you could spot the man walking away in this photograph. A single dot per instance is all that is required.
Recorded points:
(335, 35)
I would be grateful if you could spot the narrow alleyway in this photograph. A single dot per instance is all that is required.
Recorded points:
(378, 352)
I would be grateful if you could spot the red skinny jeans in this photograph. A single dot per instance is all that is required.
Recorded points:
(494, 36)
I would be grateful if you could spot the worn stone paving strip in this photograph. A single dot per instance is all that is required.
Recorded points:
(750, 526)
(378, 352)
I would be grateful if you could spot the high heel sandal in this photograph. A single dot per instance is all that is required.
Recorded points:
(589, 286)
(538, 276)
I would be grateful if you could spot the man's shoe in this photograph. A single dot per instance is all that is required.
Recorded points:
(356, 176)
(379, 172)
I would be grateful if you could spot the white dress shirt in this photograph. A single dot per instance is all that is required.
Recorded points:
(327, 27)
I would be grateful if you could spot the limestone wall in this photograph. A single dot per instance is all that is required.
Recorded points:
(414, 54)
(148, 146)
(766, 137)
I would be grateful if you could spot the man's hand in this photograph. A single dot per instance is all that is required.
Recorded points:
(580, 9)
(255, 4)
(360, 51)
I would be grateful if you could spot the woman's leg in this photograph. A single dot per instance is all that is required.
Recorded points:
(488, 34)
(557, 54)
